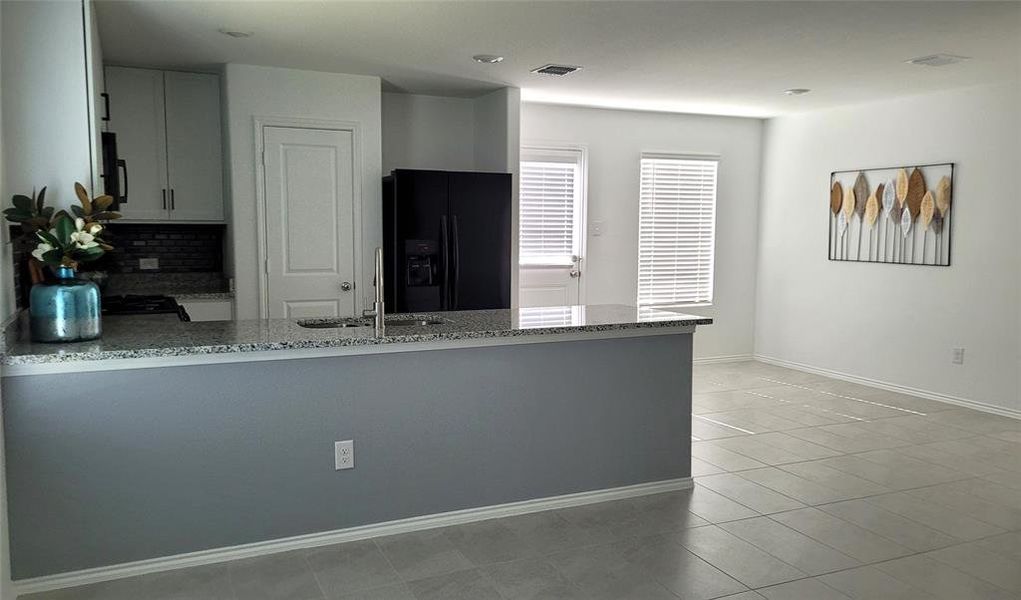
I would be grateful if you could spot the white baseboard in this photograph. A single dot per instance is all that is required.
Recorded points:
(727, 358)
(325, 538)
(892, 387)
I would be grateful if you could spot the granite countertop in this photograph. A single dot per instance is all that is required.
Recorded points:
(146, 336)
(183, 287)
(199, 296)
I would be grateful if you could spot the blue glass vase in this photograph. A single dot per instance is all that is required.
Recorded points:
(66, 310)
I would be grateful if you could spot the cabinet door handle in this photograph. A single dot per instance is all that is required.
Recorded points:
(164, 198)
(106, 106)
(171, 198)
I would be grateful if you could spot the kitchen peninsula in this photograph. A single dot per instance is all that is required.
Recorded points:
(166, 437)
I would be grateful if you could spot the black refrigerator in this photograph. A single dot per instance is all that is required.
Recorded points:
(446, 240)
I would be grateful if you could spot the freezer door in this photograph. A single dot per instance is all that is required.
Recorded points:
(414, 212)
(480, 240)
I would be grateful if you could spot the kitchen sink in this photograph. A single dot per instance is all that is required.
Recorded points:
(333, 324)
(344, 323)
(412, 322)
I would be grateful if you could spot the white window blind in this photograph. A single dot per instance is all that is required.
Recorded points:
(676, 229)
(550, 316)
(550, 209)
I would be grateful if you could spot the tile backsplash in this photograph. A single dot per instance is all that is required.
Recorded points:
(177, 248)
(184, 252)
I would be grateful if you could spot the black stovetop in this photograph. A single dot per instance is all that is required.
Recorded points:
(140, 305)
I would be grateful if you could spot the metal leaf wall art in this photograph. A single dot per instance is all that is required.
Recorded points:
(907, 215)
(836, 202)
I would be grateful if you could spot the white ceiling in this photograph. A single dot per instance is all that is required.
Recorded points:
(708, 57)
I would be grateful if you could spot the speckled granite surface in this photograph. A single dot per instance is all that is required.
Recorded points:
(191, 297)
(163, 335)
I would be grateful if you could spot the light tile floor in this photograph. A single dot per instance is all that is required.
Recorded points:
(807, 488)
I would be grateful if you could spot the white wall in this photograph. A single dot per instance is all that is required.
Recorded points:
(428, 132)
(615, 140)
(45, 108)
(498, 148)
(45, 104)
(6, 258)
(497, 130)
(454, 134)
(894, 323)
(253, 91)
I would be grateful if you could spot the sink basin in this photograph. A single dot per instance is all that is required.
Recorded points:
(343, 323)
(412, 322)
(332, 324)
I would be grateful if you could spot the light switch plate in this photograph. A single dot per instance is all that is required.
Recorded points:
(149, 264)
(598, 228)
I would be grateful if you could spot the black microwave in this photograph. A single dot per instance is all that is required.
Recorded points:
(113, 168)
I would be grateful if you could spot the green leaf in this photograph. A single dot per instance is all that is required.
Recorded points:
(87, 254)
(53, 257)
(22, 203)
(64, 226)
(16, 216)
(48, 238)
(40, 200)
(78, 211)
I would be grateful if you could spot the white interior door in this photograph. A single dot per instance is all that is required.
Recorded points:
(552, 227)
(550, 285)
(310, 194)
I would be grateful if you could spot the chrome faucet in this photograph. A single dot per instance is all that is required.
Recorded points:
(378, 309)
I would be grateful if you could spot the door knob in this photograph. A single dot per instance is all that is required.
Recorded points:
(345, 286)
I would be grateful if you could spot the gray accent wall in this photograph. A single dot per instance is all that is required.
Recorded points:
(118, 466)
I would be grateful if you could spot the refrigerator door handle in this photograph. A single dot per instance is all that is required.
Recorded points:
(457, 264)
(445, 254)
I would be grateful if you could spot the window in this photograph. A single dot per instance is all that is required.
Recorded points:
(676, 226)
(551, 207)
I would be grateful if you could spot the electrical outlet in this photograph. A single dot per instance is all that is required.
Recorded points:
(148, 264)
(344, 455)
(958, 356)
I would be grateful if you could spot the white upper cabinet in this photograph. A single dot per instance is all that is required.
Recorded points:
(168, 135)
(137, 117)
(194, 157)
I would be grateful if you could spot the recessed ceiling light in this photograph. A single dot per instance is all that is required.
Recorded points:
(234, 33)
(487, 59)
(937, 60)
(796, 91)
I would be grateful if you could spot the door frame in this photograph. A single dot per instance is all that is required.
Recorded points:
(261, 209)
(554, 147)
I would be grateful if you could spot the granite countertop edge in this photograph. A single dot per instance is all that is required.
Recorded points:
(305, 344)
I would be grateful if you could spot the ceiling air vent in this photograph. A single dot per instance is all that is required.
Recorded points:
(555, 70)
(937, 60)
